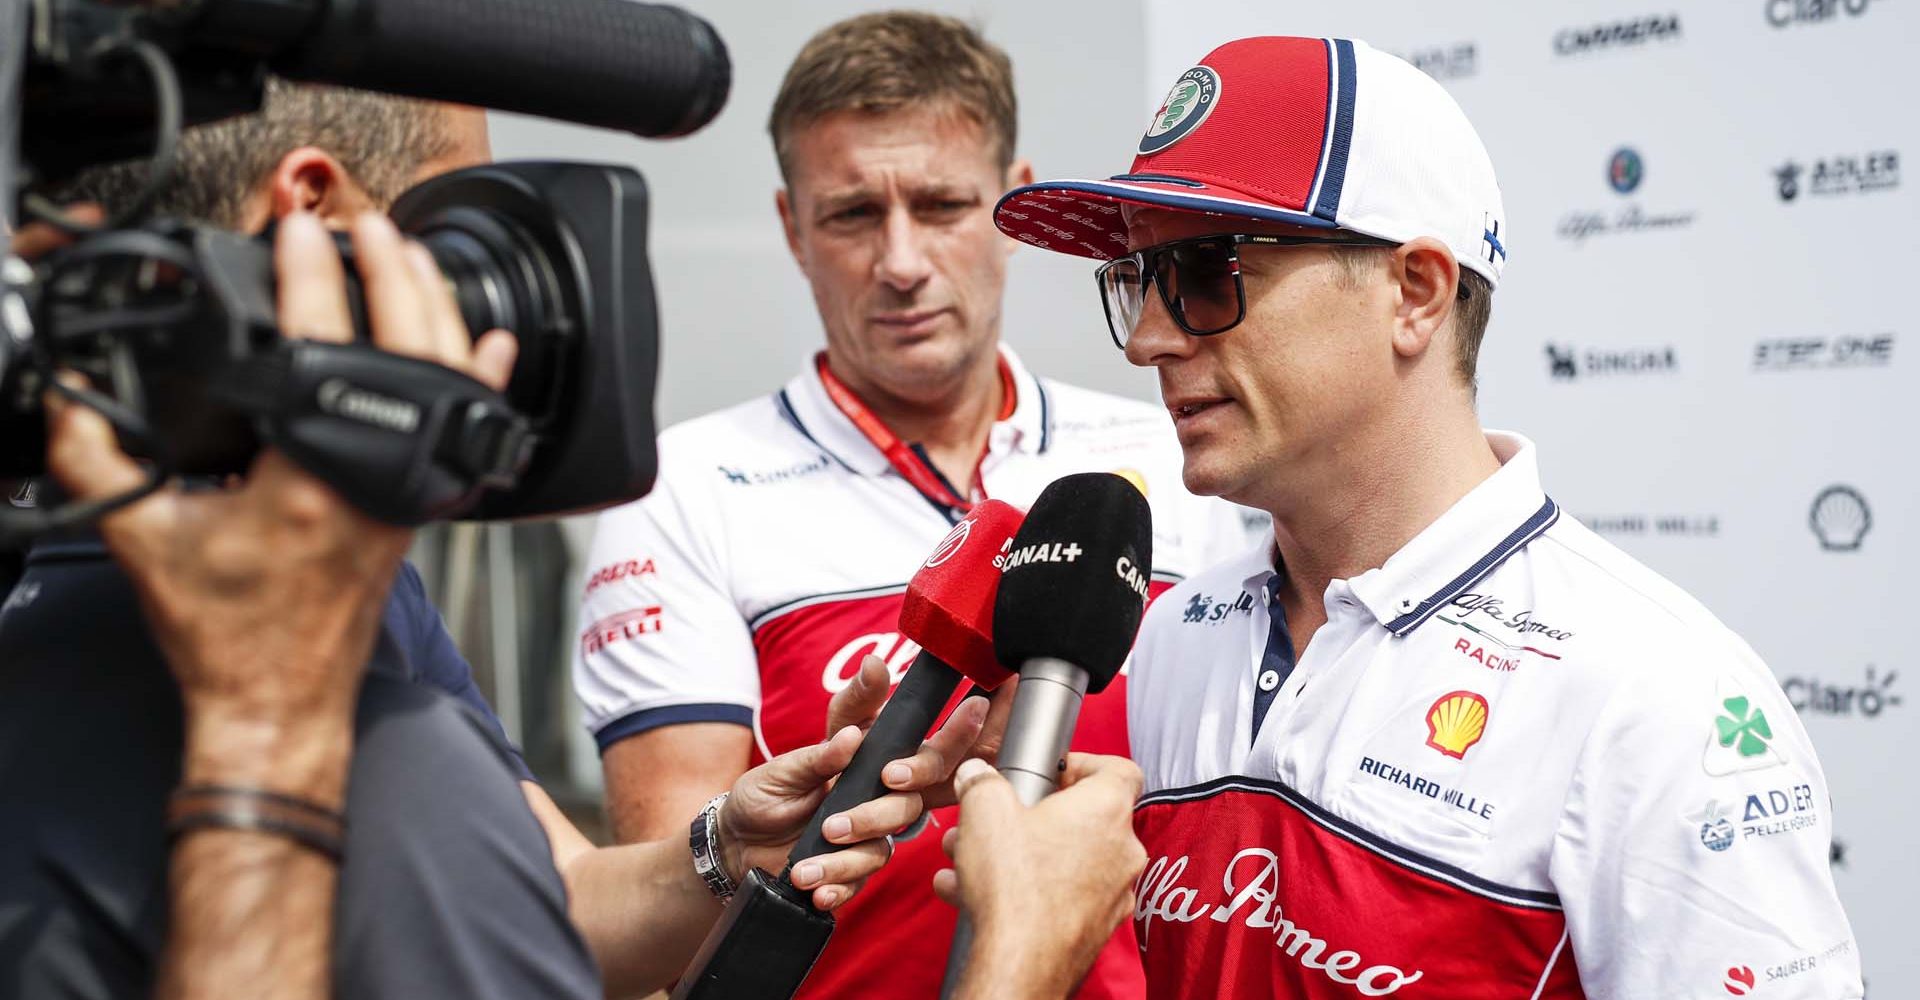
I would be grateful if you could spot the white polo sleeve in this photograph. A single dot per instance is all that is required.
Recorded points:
(1692, 853)
(661, 639)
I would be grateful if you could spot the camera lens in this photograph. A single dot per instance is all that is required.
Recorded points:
(500, 278)
(486, 294)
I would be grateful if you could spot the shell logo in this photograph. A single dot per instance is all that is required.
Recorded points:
(1455, 722)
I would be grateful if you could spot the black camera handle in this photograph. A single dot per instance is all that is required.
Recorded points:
(404, 439)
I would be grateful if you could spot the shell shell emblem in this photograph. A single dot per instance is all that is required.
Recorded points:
(1840, 518)
(1455, 722)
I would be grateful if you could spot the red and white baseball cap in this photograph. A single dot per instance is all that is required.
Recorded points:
(1321, 132)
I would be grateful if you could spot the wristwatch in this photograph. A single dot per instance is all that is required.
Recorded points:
(704, 839)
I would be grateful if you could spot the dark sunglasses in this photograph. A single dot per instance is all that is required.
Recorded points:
(1199, 281)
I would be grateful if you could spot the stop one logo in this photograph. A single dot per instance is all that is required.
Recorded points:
(844, 665)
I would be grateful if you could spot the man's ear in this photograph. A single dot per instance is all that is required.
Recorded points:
(1019, 174)
(1427, 276)
(783, 201)
(310, 179)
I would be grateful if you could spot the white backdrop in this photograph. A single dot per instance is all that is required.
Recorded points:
(1727, 359)
(1698, 356)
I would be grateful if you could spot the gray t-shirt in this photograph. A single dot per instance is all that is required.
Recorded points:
(448, 888)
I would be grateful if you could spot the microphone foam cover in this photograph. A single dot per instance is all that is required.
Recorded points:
(1073, 585)
(949, 604)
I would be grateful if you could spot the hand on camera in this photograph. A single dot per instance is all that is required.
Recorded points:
(265, 598)
(1072, 858)
(772, 803)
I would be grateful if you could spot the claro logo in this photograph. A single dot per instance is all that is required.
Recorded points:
(344, 399)
(844, 665)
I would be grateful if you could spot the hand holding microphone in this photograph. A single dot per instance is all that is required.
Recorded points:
(771, 933)
(1045, 886)
(947, 610)
(1072, 592)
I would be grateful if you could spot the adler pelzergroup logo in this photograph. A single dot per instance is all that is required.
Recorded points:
(1872, 171)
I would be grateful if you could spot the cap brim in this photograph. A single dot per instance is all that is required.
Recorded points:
(1083, 218)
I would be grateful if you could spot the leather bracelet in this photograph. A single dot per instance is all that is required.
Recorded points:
(704, 840)
(228, 807)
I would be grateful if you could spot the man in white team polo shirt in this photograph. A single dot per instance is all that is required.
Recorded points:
(723, 611)
(1436, 739)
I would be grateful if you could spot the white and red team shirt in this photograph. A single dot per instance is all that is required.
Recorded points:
(1513, 763)
(772, 556)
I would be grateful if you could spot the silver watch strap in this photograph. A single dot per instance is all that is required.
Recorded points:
(704, 840)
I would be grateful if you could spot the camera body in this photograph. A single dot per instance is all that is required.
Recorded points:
(174, 324)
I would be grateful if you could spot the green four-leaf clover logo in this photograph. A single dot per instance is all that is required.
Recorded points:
(1747, 725)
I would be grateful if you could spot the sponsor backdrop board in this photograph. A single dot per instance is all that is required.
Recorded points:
(1703, 324)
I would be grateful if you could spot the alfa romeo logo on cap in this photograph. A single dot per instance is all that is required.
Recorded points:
(1187, 105)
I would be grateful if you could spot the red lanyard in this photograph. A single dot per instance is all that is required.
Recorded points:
(904, 459)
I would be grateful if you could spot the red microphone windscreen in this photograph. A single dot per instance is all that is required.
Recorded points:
(949, 604)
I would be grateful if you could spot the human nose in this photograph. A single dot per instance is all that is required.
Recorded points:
(1156, 339)
(903, 263)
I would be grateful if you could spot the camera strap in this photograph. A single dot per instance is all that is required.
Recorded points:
(404, 439)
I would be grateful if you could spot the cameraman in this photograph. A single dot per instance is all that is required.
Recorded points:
(448, 885)
(279, 571)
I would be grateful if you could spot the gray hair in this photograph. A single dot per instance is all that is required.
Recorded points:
(382, 142)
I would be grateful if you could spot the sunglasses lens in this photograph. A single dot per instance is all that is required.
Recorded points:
(1200, 279)
(1123, 291)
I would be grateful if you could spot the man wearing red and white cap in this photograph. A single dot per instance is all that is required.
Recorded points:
(1436, 740)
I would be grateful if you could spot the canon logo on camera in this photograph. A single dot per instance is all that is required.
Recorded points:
(344, 399)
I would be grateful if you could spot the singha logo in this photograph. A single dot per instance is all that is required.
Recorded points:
(1562, 361)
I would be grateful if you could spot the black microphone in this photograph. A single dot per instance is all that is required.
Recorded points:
(649, 69)
(1073, 589)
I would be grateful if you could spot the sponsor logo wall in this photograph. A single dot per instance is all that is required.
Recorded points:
(1709, 242)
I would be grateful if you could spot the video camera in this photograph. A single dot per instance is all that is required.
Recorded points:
(175, 322)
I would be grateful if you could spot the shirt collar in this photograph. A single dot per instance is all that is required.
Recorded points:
(804, 403)
(1478, 533)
